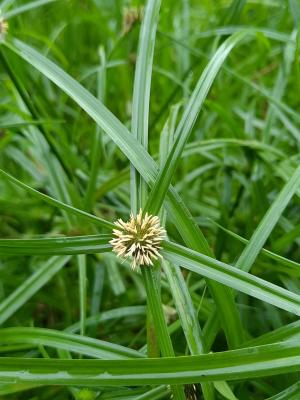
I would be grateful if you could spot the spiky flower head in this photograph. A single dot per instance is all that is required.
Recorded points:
(3, 28)
(138, 239)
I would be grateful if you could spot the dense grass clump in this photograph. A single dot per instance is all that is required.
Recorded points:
(182, 119)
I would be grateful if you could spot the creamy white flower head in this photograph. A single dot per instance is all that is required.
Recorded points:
(138, 239)
(3, 27)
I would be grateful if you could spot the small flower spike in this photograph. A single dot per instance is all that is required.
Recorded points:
(138, 239)
(3, 28)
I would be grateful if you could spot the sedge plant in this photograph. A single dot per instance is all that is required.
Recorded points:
(149, 200)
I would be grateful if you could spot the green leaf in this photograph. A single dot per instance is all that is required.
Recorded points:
(284, 333)
(26, 7)
(10, 388)
(141, 96)
(114, 276)
(28, 288)
(67, 341)
(224, 389)
(187, 122)
(155, 306)
(117, 313)
(56, 246)
(97, 150)
(159, 392)
(81, 264)
(292, 266)
(264, 229)
(290, 393)
(188, 317)
(185, 308)
(246, 363)
(57, 203)
(232, 277)
(249, 82)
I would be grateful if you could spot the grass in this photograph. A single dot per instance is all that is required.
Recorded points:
(190, 112)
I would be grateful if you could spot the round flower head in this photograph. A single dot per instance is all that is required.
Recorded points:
(3, 28)
(138, 239)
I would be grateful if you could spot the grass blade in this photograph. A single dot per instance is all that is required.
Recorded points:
(28, 288)
(188, 317)
(141, 96)
(246, 363)
(67, 341)
(56, 203)
(233, 277)
(26, 7)
(187, 122)
(117, 313)
(97, 149)
(292, 266)
(290, 393)
(163, 337)
(89, 244)
(259, 237)
(81, 263)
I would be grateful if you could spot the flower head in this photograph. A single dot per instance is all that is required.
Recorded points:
(131, 16)
(138, 239)
(3, 27)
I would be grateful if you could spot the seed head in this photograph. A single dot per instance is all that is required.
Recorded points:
(138, 239)
(3, 27)
(131, 16)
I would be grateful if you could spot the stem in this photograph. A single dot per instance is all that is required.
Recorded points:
(163, 337)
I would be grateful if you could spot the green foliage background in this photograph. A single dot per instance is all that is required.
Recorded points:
(82, 143)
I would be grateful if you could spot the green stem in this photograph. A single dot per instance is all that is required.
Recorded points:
(163, 337)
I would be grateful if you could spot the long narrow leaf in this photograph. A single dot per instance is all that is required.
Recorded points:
(26, 7)
(232, 277)
(141, 95)
(56, 203)
(231, 365)
(56, 246)
(67, 341)
(188, 120)
(268, 222)
(28, 288)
